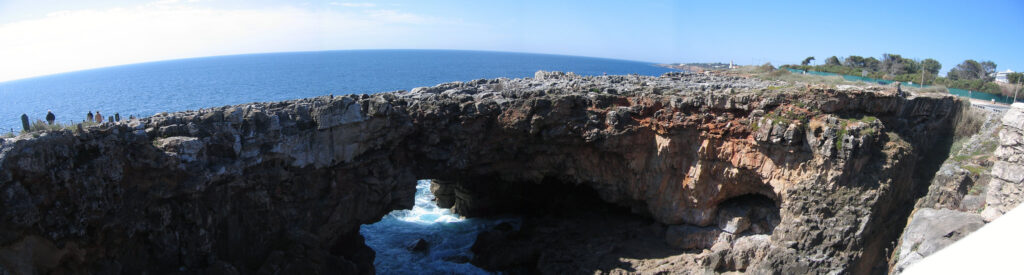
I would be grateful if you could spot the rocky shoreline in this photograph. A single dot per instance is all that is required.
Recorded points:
(734, 174)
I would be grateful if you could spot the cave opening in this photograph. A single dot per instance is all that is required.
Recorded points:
(565, 227)
(746, 214)
(484, 225)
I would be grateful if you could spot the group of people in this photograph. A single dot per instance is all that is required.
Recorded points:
(99, 117)
(51, 118)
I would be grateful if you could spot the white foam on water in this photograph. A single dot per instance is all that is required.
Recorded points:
(449, 236)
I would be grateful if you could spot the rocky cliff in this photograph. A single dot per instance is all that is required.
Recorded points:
(738, 174)
(980, 181)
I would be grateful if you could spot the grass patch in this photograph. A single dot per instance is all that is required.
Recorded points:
(793, 78)
(969, 123)
(939, 89)
(976, 169)
(41, 126)
(958, 145)
(840, 136)
(867, 131)
(868, 119)
(987, 147)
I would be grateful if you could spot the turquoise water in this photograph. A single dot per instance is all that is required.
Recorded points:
(177, 85)
(448, 235)
(955, 91)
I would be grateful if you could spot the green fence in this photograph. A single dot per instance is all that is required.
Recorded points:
(955, 91)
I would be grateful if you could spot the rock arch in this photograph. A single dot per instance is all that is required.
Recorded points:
(283, 186)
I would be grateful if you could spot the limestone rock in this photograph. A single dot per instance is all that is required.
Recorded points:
(283, 186)
(692, 237)
(931, 230)
(1006, 189)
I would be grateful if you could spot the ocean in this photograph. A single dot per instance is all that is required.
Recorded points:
(187, 84)
(178, 85)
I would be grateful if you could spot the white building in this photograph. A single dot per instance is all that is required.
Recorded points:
(1001, 76)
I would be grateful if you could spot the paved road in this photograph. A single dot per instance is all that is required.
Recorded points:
(1000, 107)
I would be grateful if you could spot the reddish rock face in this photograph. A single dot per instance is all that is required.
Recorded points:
(284, 186)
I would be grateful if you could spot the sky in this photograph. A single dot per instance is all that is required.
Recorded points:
(41, 37)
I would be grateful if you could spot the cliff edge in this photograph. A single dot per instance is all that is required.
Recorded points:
(744, 174)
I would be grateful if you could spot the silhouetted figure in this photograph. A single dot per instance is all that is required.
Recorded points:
(24, 122)
(117, 117)
(50, 117)
(88, 117)
(99, 117)
(110, 118)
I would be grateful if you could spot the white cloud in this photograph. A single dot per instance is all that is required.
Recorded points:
(354, 5)
(394, 16)
(82, 39)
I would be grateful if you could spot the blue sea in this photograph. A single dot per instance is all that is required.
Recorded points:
(177, 85)
(187, 84)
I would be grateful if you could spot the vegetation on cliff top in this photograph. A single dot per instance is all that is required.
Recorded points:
(969, 75)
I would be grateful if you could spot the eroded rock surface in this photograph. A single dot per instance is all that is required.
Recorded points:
(1006, 189)
(283, 186)
(964, 195)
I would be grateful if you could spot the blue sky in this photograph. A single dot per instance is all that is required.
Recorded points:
(39, 37)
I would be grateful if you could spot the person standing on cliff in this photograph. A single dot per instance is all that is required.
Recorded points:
(50, 117)
(99, 117)
(88, 117)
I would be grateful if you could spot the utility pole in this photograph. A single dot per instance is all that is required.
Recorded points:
(1015, 88)
(921, 67)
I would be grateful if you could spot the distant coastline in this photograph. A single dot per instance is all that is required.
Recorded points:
(697, 67)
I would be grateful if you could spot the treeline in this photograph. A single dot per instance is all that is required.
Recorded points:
(969, 75)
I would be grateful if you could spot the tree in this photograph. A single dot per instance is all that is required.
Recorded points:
(967, 70)
(807, 61)
(1015, 77)
(910, 66)
(988, 69)
(892, 64)
(833, 61)
(872, 64)
(931, 66)
(854, 61)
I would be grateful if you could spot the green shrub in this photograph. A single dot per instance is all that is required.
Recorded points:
(41, 126)
(840, 136)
